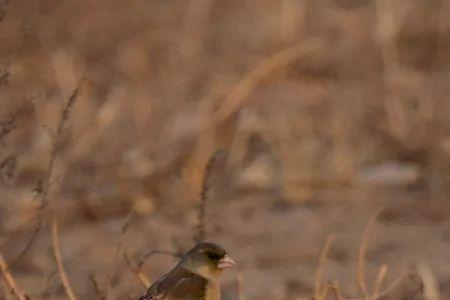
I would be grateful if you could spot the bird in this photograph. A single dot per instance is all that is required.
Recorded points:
(195, 277)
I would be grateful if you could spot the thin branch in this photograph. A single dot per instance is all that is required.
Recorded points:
(379, 281)
(56, 144)
(430, 284)
(61, 270)
(336, 291)
(112, 272)
(362, 256)
(6, 127)
(250, 82)
(49, 285)
(143, 279)
(319, 292)
(147, 255)
(5, 292)
(100, 294)
(392, 286)
(44, 186)
(30, 242)
(9, 280)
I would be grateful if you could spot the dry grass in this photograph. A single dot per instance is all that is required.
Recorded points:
(321, 291)
(9, 281)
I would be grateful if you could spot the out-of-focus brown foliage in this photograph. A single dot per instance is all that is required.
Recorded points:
(328, 109)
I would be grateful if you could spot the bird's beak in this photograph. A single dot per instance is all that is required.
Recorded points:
(226, 262)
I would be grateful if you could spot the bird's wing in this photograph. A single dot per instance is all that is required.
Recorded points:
(177, 285)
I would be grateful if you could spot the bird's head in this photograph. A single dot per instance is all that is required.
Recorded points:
(207, 260)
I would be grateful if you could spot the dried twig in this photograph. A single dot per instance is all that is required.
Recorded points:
(4, 292)
(45, 191)
(44, 186)
(379, 281)
(143, 279)
(248, 84)
(31, 241)
(9, 281)
(320, 291)
(334, 286)
(100, 294)
(8, 168)
(56, 144)
(430, 284)
(147, 255)
(113, 272)
(362, 256)
(61, 270)
(392, 286)
(49, 286)
(8, 126)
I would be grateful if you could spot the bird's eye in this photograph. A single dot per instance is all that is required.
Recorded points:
(213, 256)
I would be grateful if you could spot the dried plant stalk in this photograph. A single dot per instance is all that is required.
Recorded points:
(379, 281)
(9, 280)
(429, 281)
(361, 265)
(137, 271)
(320, 291)
(44, 187)
(249, 83)
(59, 264)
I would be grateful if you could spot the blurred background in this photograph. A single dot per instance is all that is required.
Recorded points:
(329, 111)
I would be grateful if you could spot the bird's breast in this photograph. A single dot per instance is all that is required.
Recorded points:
(212, 291)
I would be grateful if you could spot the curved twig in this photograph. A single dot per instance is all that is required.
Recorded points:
(61, 270)
(9, 280)
(137, 271)
(361, 265)
(319, 292)
(149, 254)
(44, 186)
(248, 84)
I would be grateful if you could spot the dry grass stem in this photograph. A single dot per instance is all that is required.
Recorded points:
(361, 265)
(336, 291)
(390, 288)
(379, 281)
(44, 187)
(59, 264)
(98, 292)
(320, 291)
(148, 255)
(9, 280)
(31, 240)
(430, 285)
(137, 271)
(112, 272)
(6, 127)
(250, 81)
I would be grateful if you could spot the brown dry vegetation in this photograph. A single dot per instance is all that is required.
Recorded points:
(334, 114)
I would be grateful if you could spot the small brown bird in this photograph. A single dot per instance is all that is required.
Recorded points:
(195, 277)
